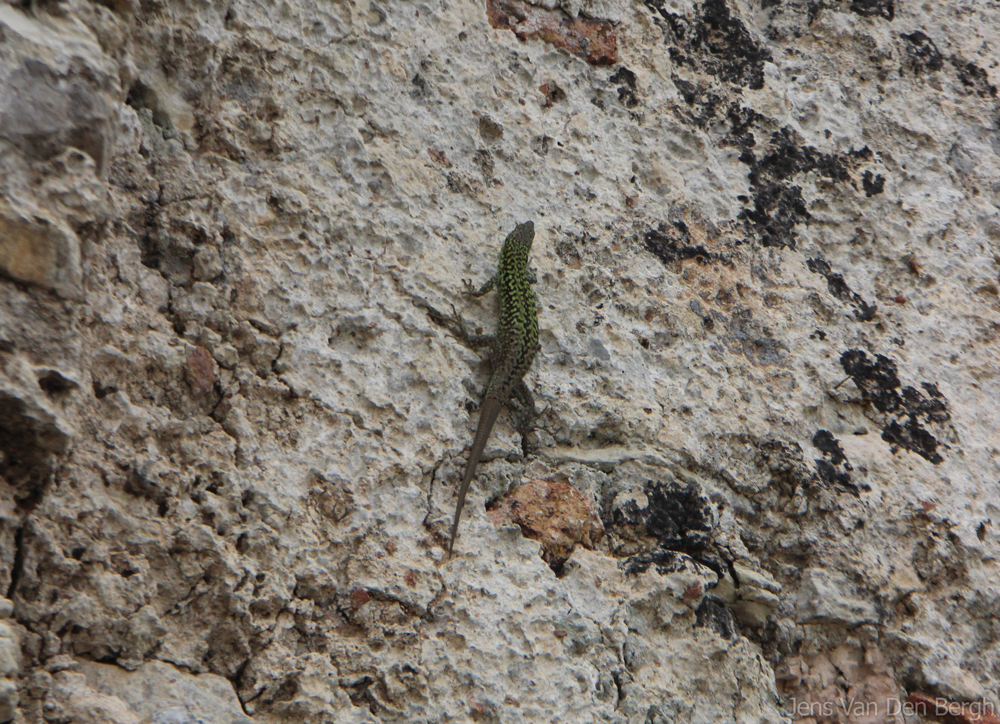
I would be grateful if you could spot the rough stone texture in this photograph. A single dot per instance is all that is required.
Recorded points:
(555, 514)
(9, 663)
(767, 250)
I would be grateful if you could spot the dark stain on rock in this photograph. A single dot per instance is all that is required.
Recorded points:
(922, 53)
(778, 204)
(874, 8)
(702, 102)
(716, 41)
(676, 520)
(671, 243)
(907, 409)
(974, 78)
(626, 91)
(754, 341)
(714, 613)
(834, 469)
(872, 184)
(863, 311)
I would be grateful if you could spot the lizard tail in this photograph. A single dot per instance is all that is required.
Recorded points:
(487, 418)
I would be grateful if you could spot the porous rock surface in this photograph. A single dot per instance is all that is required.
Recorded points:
(767, 252)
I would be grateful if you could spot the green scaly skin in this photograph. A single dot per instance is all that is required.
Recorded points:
(513, 348)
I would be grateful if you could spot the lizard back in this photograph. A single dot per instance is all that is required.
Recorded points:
(517, 330)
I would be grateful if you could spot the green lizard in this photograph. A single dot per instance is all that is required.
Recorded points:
(512, 348)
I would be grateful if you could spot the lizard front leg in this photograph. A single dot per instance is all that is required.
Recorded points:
(473, 292)
(455, 324)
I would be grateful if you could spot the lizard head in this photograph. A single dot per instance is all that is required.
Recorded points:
(523, 235)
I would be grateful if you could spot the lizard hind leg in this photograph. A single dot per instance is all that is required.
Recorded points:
(523, 411)
(455, 324)
(471, 339)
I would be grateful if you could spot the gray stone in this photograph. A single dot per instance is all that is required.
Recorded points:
(10, 654)
(40, 251)
(826, 596)
(44, 111)
(164, 694)
(8, 700)
(207, 264)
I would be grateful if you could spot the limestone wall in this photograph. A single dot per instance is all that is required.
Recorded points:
(765, 473)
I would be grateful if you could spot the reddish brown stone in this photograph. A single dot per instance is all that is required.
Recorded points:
(593, 40)
(952, 712)
(553, 513)
(845, 685)
(552, 93)
(201, 371)
(693, 595)
(439, 157)
(359, 597)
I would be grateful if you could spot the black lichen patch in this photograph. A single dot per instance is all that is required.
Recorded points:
(714, 613)
(833, 469)
(907, 409)
(678, 517)
(675, 520)
(788, 158)
(863, 311)
(877, 380)
(672, 243)
(790, 472)
(703, 103)
(777, 209)
(742, 121)
(741, 57)
(777, 202)
(715, 41)
(872, 184)
(786, 464)
(420, 88)
(974, 78)
(874, 8)
(826, 443)
(922, 53)
(626, 91)
(831, 475)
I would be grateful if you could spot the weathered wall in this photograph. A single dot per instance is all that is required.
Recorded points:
(767, 253)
